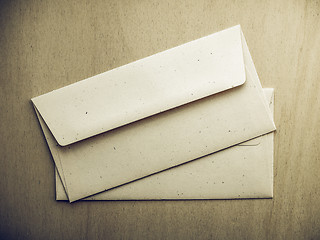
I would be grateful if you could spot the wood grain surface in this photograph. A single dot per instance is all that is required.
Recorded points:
(45, 45)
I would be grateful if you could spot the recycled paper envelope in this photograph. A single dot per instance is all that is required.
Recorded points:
(153, 114)
(241, 171)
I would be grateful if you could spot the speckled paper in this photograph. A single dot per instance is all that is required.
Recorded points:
(242, 171)
(164, 140)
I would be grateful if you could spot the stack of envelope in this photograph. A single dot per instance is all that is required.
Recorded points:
(191, 122)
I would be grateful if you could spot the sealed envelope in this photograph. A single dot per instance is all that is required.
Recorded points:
(154, 114)
(241, 171)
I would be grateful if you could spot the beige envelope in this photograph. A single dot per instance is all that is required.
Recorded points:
(153, 114)
(241, 171)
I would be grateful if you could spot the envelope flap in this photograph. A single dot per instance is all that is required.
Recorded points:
(145, 87)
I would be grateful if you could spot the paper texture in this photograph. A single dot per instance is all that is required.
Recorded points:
(159, 142)
(241, 171)
(146, 87)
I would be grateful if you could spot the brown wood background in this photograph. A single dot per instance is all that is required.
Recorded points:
(45, 45)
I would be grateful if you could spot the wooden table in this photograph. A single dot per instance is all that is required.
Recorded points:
(45, 45)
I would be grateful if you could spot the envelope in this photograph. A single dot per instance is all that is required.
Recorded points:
(153, 114)
(241, 171)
